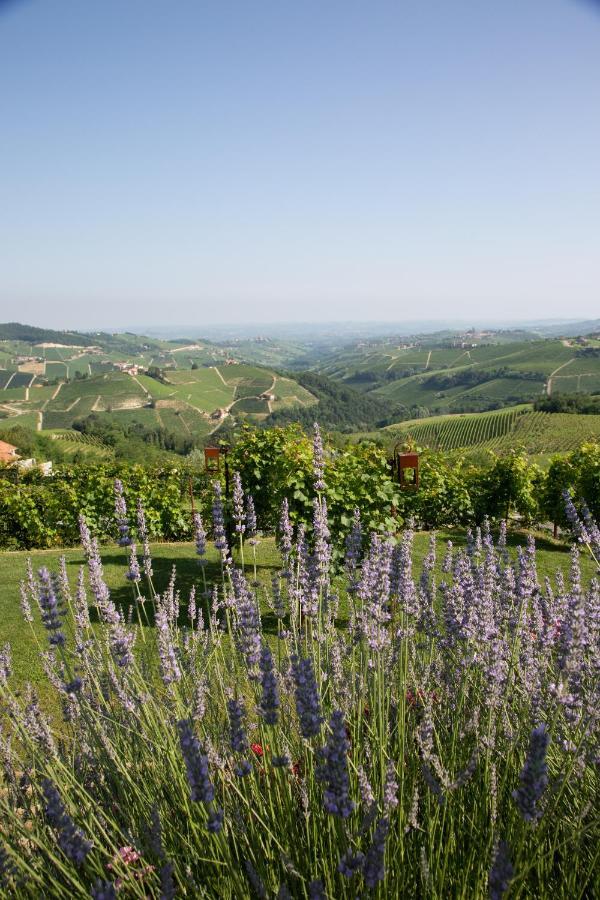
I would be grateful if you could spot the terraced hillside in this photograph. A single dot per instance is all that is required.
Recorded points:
(468, 377)
(537, 432)
(187, 401)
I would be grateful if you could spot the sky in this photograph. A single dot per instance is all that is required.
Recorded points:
(217, 161)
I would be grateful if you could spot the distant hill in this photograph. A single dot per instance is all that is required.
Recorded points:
(473, 374)
(14, 331)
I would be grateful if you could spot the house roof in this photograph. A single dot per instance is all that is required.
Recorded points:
(7, 451)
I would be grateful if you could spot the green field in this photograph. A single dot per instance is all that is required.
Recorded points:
(506, 373)
(183, 400)
(536, 432)
(553, 556)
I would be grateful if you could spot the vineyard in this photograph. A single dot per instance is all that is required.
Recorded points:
(537, 432)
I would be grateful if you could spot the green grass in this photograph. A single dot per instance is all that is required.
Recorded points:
(552, 556)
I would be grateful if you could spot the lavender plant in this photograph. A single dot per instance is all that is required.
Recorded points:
(414, 738)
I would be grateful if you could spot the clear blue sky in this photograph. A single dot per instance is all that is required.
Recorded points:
(195, 161)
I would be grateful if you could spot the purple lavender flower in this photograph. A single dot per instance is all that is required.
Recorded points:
(534, 776)
(121, 514)
(316, 891)
(238, 504)
(169, 665)
(196, 764)
(251, 524)
(374, 864)
(334, 769)
(25, 604)
(286, 531)
(121, 642)
(255, 880)
(86, 538)
(318, 462)
(269, 703)
(5, 664)
(390, 790)
(51, 611)
(572, 515)
(306, 693)
(351, 863)
(247, 624)
(103, 890)
(236, 712)
(144, 537)
(501, 872)
(71, 839)
(243, 768)
(200, 537)
(167, 882)
(133, 572)
(219, 521)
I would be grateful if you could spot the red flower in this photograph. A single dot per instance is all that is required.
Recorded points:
(256, 748)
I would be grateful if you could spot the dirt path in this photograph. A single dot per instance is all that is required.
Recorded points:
(220, 376)
(428, 358)
(552, 374)
(9, 381)
(58, 387)
(40, 421)
(139, 383)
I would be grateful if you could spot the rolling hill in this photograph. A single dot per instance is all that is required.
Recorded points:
(470, 377)
(519, 426)
(190, 401)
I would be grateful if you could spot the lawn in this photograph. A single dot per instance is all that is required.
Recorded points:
(551, 557)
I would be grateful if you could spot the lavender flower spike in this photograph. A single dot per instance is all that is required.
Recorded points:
(534, 775)
(144, 537)
(121, 514)
(334, 769)
(374, 868)
(200, 537)
(196, 764)
(286, 530)
(219, 521)
(51, 611)
(103, 890)
(239, 739)
(251, 524)
(133, 572)
(71, 839)
(238, 504)
(318, 462)
(307, 697)
(501, 872)
(269, 704)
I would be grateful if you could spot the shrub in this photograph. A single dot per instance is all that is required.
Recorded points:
(443, 743)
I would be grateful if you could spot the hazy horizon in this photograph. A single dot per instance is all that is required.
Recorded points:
(324, 162)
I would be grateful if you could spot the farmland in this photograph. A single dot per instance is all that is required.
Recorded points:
(520, 426)
(470, 377)
(192, 402)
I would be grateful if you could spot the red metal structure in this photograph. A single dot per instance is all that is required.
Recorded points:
(405, 469)
(408, 471)
(212, 459)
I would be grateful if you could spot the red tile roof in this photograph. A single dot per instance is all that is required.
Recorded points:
(8, 452)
